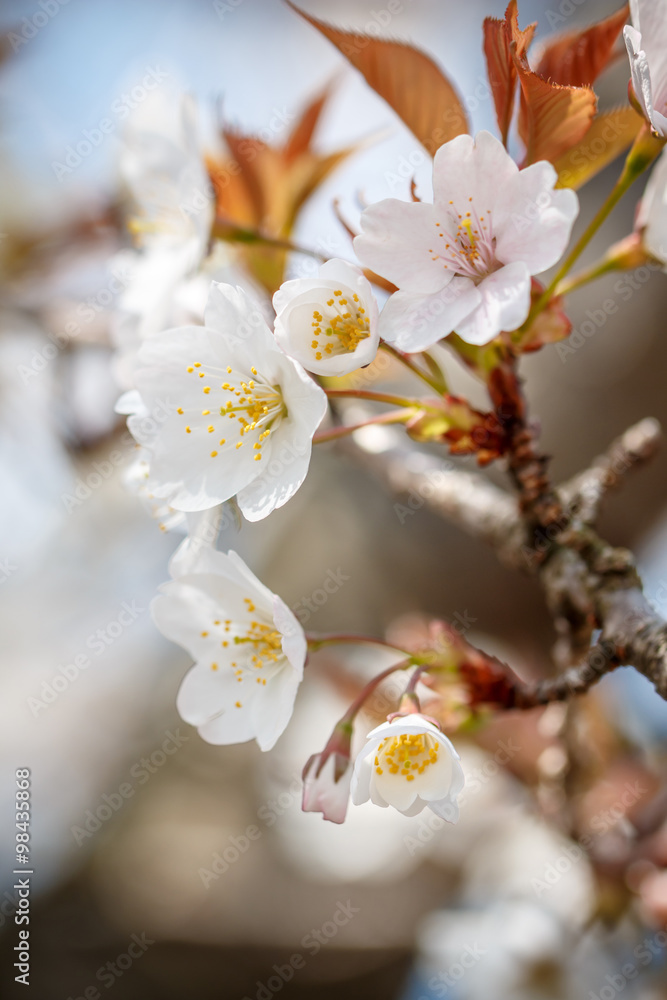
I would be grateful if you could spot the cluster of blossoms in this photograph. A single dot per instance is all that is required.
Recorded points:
(245, 396)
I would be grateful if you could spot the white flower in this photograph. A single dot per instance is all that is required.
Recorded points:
(646, 42)
(240, 415)
(329, 323)
(652, 215)
(163, 166)
(249, 648)
(324, 791)
(465, 262)
(409, 764)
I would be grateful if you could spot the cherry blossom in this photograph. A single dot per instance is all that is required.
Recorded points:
(248, 647)
(329, 324)
(646, 42)
(409, 764)
(465, 262)
(240, 417)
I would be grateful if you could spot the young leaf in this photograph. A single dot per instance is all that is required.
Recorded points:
(408, 80)
(552, 118)
(500, 64)
(609, 135)
(576, 58)
(300, 138)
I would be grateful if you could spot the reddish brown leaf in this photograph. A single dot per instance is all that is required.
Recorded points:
(500, 64)
(301, 136)
(552, 118)
(578, 57)
(501, 72)
(408, 80)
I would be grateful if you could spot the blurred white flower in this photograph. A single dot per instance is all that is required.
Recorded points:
(249, 648)
(498, 225)
(163, 167)
(237, 416)
(646, 42)
(409, 764)
(329, 324)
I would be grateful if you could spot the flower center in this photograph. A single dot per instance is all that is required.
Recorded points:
(470, 252)
(340, 327)
(258, 642)
(405, 754)
(253, 405)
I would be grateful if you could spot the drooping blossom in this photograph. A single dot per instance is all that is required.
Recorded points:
(248, 647)
(409, 764)
(646, 42)
(240, 414)
(326, 786)
(329, 324)
(465, 263)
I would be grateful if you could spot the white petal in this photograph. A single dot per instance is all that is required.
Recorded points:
(397, 242)
(273, 707)
(464, 169)
(415, 322)
(505, 305)
(533, 222)
(231, 311)
(204, 694)
(652, 215)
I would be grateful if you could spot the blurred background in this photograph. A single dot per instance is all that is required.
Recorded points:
(203, 878)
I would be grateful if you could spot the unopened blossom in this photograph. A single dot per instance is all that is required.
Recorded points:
(326, 786)
(465, 263)
(329, 324)
(646, 42)
(409, 764)
(651, 220)
(240, 415)
(248, 647)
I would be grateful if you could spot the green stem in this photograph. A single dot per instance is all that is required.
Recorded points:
(230, 233)
(405, 359)
(316, 642)
(436, 371)
(643, 152)
(602, 266)
(395, 417)
(376, 397)
(358, 702)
